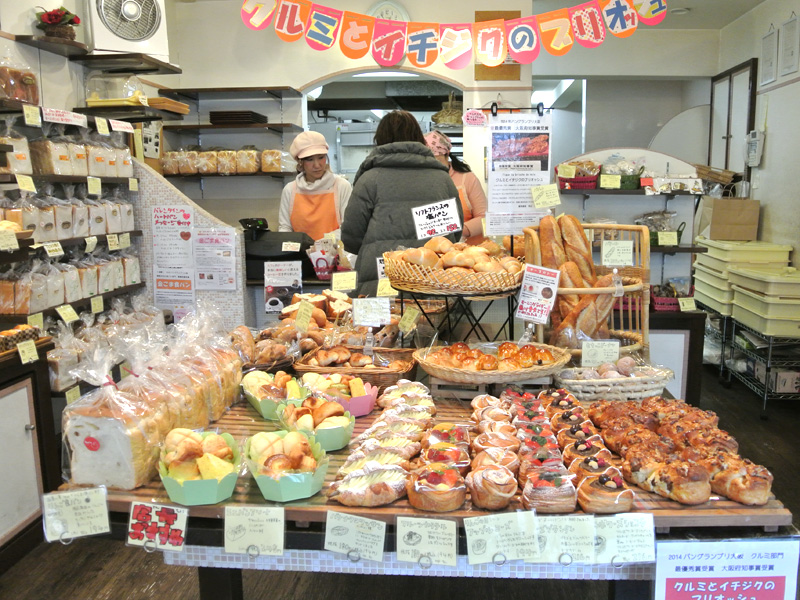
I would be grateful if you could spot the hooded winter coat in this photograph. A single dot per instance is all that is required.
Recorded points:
(392, 180)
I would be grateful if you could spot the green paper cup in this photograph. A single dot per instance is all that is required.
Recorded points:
(331, 438)
(267, 407)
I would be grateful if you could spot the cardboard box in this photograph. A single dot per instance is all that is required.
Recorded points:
(784, 381)
(728, 219)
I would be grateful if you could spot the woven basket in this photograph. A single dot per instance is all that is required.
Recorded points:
(283, 364)
(562, 357)
(425, 280)
(380, 377)
(577, 183)
(626, 388)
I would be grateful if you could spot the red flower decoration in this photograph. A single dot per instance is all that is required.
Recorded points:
(76, 20)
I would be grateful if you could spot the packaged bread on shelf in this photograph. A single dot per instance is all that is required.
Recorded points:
(79, 158)
(30, 293)
(207, 162)
(271, 161)
(73, 291)
(169, 163)
(128, 220)
(122, 155)
(50, 155)
(87, 271)
(187, 162)
(18, 82)
(18, 160)
(130, 266)
(248, 160)
(55, 285)
(97, 218)
(226, 162)
(96, 157)
(113, 216)
(46, 225)
(7, 285)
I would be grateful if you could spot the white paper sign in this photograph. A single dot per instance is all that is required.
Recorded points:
(566, 539)
(120, 126)
(381, 267)
(371, 312)
(498, 223)
(215, 258)
(537, 294)
(157, 526)
(501, 538)
(290, 247)
(78, 513)
(173, 258)
(755, 569)
(281, 281)
(616, 253)
(56, 115)
(598, 352)
(254, 530)
(357, 537)
(439, 218)
(625, 538)
(427, 541)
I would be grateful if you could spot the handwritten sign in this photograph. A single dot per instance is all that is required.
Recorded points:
(157, 526)
(31, 115)
(67, 117)
(385, 288)
(102, 126)
(610, 182)
(27, 352)
(409, 320)
(25, 182)
(537, 294)
(344, 281)
(625, 538)
(357, 537)
(8, 241)
(91, 243)
(290, 247)
(97, 304)
(36, 320)
(566, 539)
(427, 541)
(474, 118)
(120, 126)
(616, 253)
(53, 249)
(567, 171)
(667, 238)
(371, 312)
(76, 513)
(545, 196)
(112, 239)
(73, 394)
(439, 218)
(124, 240)
(67, 313)
(138, 145)
(501, 538)
(687, 304)
(254, 530)
(303, 318)
(597, 352)
(94, 186)
(133, 184)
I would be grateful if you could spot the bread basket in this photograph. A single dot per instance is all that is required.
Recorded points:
(624, 388)
(380, 377)
(426, 280)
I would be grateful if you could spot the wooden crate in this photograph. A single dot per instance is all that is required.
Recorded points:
(460, 391)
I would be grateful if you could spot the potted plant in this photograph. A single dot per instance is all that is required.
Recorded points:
(58, 22)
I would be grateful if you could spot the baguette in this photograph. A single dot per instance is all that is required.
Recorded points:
(552, 247)
(577, 247)
(570, 278)
(533, 249)
(586, 318)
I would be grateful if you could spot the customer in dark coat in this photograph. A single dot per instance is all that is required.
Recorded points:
(399, 175)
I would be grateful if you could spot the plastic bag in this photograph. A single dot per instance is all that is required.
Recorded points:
(122, 155)
(18, 82)
(187, 162)
(19, 160)
(248, 160)
(50, 154)
(207, 162)
(226, 162)
(169, 163)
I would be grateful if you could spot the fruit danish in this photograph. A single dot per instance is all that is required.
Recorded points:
(451, 454)
(592, 446)
(436, 487)
(497, 456)
(446, 432)
(605, 493)
(495, 440)
(549, 490)
(491, 487)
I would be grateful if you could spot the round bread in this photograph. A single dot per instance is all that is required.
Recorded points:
(495, 440)
(497, 456)
(439, 244)
(491, 487)
(457, 259)
(489, 266)
(424, 257)
(437, 487)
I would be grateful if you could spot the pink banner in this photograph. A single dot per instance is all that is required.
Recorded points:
(422, 44)
(556, 31)
(620, 17)
(455, 45)
(523, 39)
(651, 12)
(389, 42)
(323, 27)
(490, 42)
(587, 24)
(258, 15)
(291, 19)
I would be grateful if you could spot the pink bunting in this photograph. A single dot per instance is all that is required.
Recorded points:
(323, 27)
(389, 42)
(587, 24)
(455, 45)
(523, 39)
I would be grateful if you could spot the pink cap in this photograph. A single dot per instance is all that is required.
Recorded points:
(439, 143)
(308, 143)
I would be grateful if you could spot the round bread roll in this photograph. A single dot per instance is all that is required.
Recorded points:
(457, 259)
(10, 226)
(489, 266)
(439, 244)
(519, 245)
(424, 257)
(394, 254)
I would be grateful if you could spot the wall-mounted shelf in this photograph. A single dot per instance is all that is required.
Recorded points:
(679, 249)
(126, 63)
(60, 46)
(274, 93)
(131, 114)
(7, 105)
(10, 178)
(28, 242)
(280, 175)
(605, 192)
(275, 127)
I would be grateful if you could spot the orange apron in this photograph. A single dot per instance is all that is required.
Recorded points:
(467, 208)
(314, 213)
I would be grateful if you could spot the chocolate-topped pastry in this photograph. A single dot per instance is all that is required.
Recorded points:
(592, 446)
(580, 431)
(605, 493)
(590, 465)
(567, 418)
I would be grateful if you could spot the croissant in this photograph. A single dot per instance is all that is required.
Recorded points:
(491, 487)
(276, 465)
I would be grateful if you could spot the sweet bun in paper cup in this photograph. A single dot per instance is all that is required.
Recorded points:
(329, 437)
(358, 406)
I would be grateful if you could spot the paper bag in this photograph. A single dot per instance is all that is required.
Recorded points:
(727, 219)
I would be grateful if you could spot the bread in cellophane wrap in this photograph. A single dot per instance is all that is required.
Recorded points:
(248, 160)
(50, 153)
(19, 160)
(55, 284)
(226, 162)
(169, 163)
(64, 358)
(30, 289)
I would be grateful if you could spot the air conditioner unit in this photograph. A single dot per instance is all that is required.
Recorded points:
(138, 26)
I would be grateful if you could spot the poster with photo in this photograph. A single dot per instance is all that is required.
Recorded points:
(215, 258)
(519, 159)
(281, 281)
(173, 259)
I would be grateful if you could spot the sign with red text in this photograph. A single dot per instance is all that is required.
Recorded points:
(173, 258)
(157, 527)
(215, 258)
(752, 569)
(537, 294)
(439, 218)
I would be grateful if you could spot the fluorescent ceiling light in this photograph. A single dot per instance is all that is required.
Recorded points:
(382, 74)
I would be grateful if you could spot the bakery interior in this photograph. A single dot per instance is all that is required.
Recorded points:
(663, 93)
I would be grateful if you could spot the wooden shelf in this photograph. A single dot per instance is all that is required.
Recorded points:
(126, 63)
(276, 127)
(277, 93)
(604, 192)
(7, 105)
(28, 242)
(10, 178)
(78, 306)
(277, 175)
(60, 46)
(131, 114)
(679, 249)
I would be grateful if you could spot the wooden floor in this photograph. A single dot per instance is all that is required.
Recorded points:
(96, 569)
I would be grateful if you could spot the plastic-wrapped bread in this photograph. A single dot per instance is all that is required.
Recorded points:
(130, 265)
(88, 276)
(247, 161)
(80, 219)
(113, 217)
(73, 290)
(79, 159)
(271, 161)
(110, 154)
(128, 220)
(7, 285)
(19, 160)
(187, 162)
(55, 287)
(169, 163)
(97, 218)
(207, 162)
(65, 225)
(30, 293)
(226, 162)
(61, 361)
(96, 158)
(105, 277)
(124, 161)
(46, 225)
(117, 273)
(50, 157)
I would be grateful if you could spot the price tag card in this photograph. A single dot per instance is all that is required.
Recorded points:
(124, 240)
(157, 526)
(53, 249)
(120, 126)
(611, 182)
(254, 530)
(290, 247)
(112, 239)
(381, 267)
(502, 538)
(597, 352)
(27, 352)
(371, 312)
(73, 514)
(385, 288)
(357, 537)
(566, 171)
(330, 236)
(427, 541)
(36, 320)
(687, 304)
(510, 223)
(133, 184)
(667, 238)
(8, 241)
(344, 281)
(138, 146)
(67, 117)
(25, 182)
(67, 313)
(625, 538)
(31, 115)
(97, 304)
(545, 195)
(439, 218)
(408, 321)
(73, 394)
(91, 243)
(303, 317)
(616, 253)
(537, 294)
(94, 186)
(566, 539)
(101, 123)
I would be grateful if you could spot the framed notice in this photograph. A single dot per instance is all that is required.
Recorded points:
(769, 57)
(790, 46)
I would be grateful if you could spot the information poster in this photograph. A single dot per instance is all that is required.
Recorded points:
(511, 223)
(519, 159)
(215, 258)
(537, 294)
(173, 259)
(281, 281)
(755, 569)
